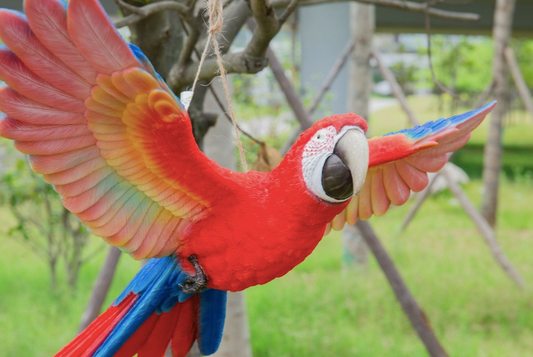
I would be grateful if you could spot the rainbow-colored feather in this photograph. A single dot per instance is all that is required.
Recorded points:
(99, 124)
(399, 163)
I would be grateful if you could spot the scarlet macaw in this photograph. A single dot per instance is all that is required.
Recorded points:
(105, 130)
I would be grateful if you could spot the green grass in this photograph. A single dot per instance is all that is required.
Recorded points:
(319, 310)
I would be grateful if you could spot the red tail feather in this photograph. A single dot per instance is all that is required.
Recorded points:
(87, 342)
(177, 327)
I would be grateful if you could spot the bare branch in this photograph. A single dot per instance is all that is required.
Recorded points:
(140, 13)
(267, 27)
(420, 198)
(396, 89)
(428, 32)
(485, 94)
(288, 89)
(341, 61)
(518, 79)
(485, 229)
(288, 11)
(221, 105)
(397, 4)
(192, 39)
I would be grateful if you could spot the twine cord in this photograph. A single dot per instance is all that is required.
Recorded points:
(215, 9)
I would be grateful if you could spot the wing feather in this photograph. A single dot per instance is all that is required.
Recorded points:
(380, 200)
(100, 126)
(97, 40)
(24, 109)
(17, 35)
(19, 77)
(399, 163)
(48, 20)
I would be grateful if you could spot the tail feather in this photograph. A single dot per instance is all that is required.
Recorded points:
(159, 339)
(137, 340)
(185, 334)
(90, 339)
(152, 313)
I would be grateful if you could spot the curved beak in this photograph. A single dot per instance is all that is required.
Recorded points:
(352, 149)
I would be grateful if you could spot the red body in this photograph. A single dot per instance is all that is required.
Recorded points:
(259, 225)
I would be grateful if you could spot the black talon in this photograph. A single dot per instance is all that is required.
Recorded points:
(197, 283)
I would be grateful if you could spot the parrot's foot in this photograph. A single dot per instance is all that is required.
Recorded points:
(194, 284)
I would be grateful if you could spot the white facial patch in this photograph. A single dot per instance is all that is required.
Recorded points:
(315, 154)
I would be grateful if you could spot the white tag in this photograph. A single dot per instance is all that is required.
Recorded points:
(186, 98)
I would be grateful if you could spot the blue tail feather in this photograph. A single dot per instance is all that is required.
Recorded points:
(156, 286)
(212, 315)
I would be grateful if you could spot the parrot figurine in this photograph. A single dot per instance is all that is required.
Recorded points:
(102, 127)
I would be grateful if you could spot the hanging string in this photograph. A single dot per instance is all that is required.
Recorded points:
(215, 9)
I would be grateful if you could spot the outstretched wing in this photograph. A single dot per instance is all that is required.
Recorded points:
(399, 163)
(101, 126)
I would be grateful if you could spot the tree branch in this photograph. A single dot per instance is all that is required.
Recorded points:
(397, 4)
(433, 75)
(288, 11)
(396, 89)
(139, 13)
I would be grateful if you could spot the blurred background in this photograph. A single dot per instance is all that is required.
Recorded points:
(337, 57)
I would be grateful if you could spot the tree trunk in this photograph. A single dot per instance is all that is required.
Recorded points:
(362, 28)
(360, 81)
(355, 251)
(503, 21)
(100, 289)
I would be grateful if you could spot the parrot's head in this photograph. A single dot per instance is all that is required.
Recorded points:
(334, 157)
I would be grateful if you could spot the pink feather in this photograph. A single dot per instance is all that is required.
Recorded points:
(76, 188)
(50, 164)
(88, 198)
(17, 35)
(132, 224)
(428, 164)
(18, 130)
(147, 222)
(76, 172)
(365, 201)
(48, 20)
(97, 39)
(121, 218)
(20, 78)
(380, 201)
(154, 234)
(397, 190)
(414, 178)
(27, 110)
(107, 207)
(58, 146)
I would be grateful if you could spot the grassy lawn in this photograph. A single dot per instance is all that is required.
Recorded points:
(320, 310)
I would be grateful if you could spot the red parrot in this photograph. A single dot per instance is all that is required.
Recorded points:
(105, 130)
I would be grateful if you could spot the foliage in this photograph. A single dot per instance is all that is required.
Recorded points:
(42, 223)
(463, 63)
(523, 49)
